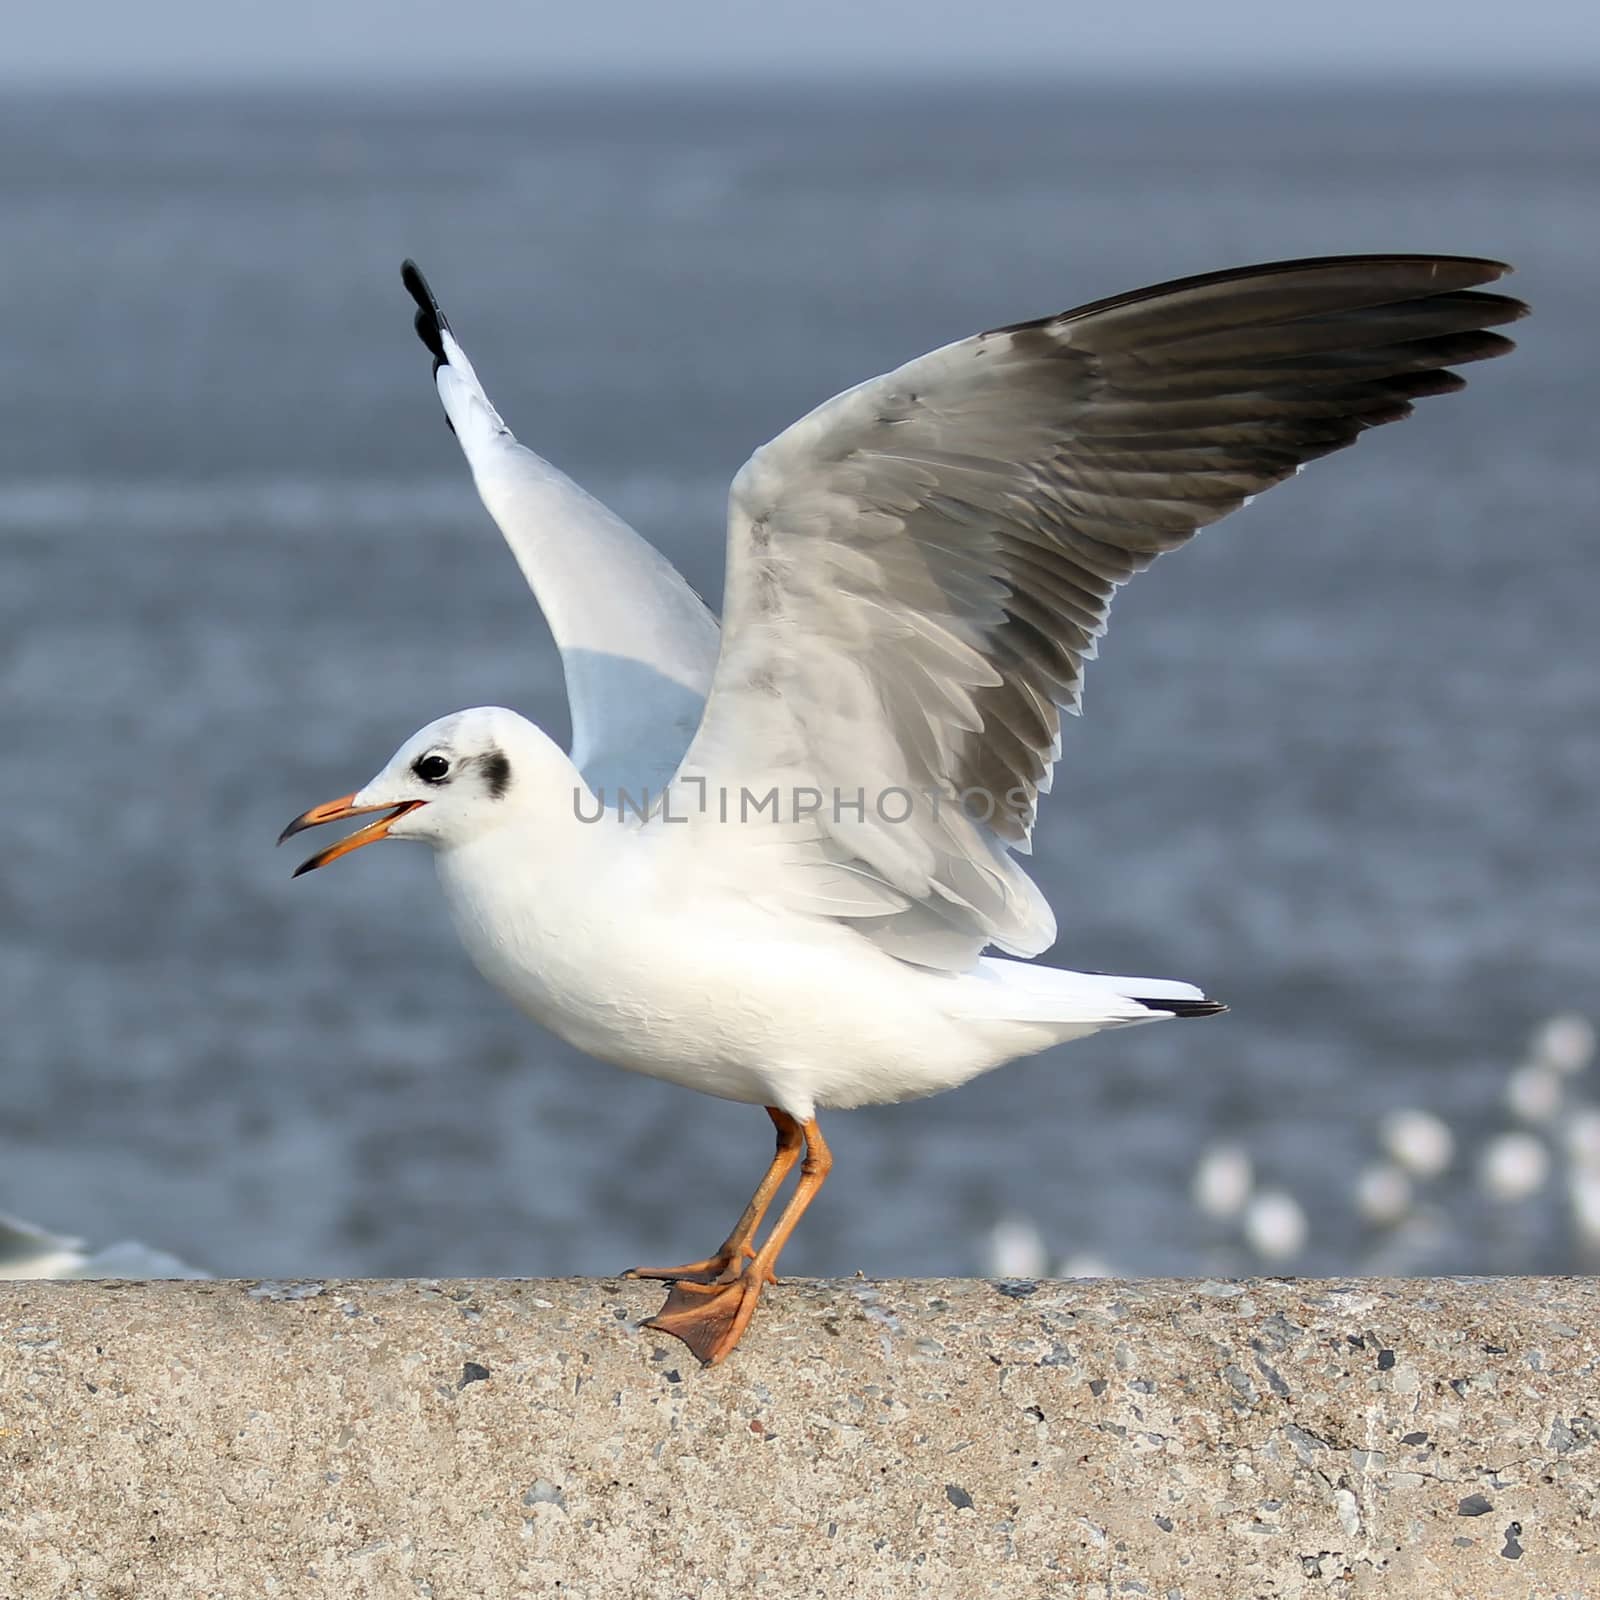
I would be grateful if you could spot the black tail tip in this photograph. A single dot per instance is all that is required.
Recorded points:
(1185, 1008)
(430, 321)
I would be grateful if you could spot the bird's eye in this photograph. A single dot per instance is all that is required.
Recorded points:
(431, 769)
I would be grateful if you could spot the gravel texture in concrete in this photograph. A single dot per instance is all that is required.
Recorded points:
(471, 1440)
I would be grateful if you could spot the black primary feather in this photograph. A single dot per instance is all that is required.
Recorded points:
(431, 322)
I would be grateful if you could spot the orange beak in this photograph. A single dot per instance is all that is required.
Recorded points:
(337, 811)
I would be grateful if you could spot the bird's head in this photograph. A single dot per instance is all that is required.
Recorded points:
(458, 778)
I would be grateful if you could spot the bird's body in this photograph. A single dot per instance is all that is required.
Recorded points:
(773, 863)
(615, 937)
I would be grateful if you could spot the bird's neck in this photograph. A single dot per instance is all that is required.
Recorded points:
(534, 860)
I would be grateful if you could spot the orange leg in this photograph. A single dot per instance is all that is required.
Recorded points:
(724, 1265)
(711, 1317)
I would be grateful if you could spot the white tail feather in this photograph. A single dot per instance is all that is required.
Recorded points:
(1023, 992)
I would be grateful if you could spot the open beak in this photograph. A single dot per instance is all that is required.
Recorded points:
(337, 811)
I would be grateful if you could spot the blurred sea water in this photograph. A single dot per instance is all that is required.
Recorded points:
(1339, 764)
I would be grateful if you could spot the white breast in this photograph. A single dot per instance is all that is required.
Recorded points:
(704, 987)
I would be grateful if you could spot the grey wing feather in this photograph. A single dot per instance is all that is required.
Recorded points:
(920, 568)
(638, 646)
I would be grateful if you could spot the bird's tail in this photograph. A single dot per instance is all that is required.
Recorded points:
(1022, 991)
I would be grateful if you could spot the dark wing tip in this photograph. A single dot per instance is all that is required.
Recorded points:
(1185, 1008)
(1297, 285)
(417, 285)
(430, 320)
(1505, 307)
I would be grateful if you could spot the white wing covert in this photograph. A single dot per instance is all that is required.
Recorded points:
(919, 569)
(638, 645)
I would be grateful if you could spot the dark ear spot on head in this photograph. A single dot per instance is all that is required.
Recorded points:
(496, 774)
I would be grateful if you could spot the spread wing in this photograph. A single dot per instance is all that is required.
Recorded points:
(638, 646)
(919, 569)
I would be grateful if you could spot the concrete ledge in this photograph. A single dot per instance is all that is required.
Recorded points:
(473, 1440)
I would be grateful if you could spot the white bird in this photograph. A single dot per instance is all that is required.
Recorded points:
(1581, 1138)
(27, 1251)
(1275, 1225)
(771, 864)
(1084, 1264)
(1514, 1166)
(1565, 1042)
(1015, 1249)
(1383, 1193)
(1534, 1091)
(1222, 1181)
(1420, 1141)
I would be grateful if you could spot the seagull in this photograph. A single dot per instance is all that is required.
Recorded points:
(780, 862)
(28, 1251)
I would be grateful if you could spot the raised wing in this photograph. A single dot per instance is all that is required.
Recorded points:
(919, 569)
(638, 645)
